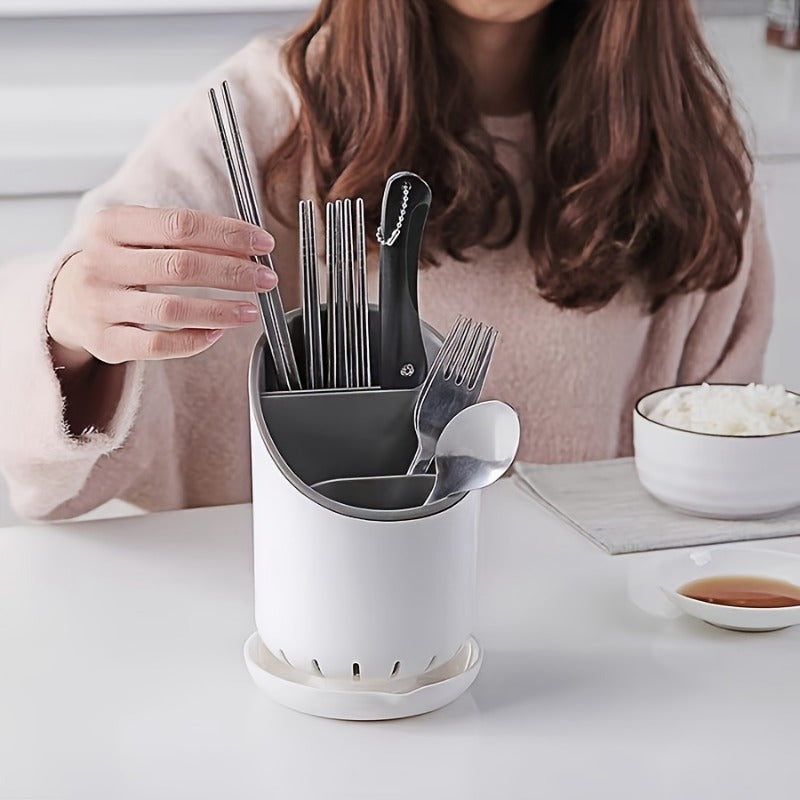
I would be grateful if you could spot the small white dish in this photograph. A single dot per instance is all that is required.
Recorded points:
(697, 564)
(339, 698)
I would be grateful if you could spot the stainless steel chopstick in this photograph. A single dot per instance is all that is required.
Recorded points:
(266, 308)
(349, 277)
(362, 297)
(251, 213)
(340, 299)
(312, 323)
(330, 262)
(348, 362)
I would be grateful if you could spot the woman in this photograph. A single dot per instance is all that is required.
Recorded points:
(591, 199)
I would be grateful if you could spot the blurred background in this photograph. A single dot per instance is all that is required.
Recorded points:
(82, 80)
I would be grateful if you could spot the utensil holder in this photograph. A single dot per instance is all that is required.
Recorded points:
(342, 592)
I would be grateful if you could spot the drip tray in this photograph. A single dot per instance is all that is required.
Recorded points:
(353, 699)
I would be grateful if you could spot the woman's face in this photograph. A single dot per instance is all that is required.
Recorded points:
(497, 10)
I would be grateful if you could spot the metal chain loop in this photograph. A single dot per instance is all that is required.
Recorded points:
(396, 232)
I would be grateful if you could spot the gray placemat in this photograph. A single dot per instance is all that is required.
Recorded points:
(606, 503)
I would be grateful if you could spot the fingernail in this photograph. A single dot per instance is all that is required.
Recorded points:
(214, 334)
(266, 278)
(262, 242)
(247, 313)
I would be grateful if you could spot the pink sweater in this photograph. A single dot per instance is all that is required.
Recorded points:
(179, 436)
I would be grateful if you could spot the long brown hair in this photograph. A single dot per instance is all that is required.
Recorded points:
(640, 169)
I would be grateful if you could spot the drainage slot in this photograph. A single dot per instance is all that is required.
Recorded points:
(283, 656)
(430, 663)
(395, 669)
(315, 664)
(356, 671)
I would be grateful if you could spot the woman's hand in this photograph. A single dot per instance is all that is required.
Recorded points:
(100, 301)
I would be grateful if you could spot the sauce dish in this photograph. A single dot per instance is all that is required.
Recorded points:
(696, 564)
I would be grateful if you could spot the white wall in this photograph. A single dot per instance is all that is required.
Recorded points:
(781, 180)
(78, 94)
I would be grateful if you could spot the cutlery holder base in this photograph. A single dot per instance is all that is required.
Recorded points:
(373, 700)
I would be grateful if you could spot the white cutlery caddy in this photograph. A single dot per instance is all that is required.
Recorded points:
(368, 596)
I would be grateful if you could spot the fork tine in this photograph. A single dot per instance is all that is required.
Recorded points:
(460, 335)
(444, 351)
(467, 347)
(472, 353)
(476, 354)
(475, 383)
(436, 367)
(447, 344)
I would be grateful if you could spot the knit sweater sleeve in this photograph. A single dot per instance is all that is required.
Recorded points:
(729, 338)
(53, 472)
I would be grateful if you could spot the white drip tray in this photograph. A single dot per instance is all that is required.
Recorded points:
(362, 700)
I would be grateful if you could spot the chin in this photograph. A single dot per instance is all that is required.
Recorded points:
(498, 10)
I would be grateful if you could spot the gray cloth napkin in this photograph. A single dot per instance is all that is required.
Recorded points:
(606, 503)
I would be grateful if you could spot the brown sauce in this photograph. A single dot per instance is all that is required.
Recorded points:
(747, 591)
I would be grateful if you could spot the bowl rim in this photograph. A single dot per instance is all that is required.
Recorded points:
(638, 411)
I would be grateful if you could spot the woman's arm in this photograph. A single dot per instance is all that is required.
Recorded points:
(74, 435)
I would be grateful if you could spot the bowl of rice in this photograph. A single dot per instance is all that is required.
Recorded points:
(728, 451)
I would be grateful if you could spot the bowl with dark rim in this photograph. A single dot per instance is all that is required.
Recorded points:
(723, 476)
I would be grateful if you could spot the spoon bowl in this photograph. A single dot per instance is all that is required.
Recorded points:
(475, 449)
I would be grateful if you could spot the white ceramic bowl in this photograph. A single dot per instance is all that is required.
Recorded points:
(713, 475)
(696, 564)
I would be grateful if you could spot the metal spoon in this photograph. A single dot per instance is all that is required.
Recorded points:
(476, 447)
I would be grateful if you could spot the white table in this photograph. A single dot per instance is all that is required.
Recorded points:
(121, 676)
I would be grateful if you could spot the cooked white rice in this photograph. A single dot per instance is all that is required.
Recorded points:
(730, 410)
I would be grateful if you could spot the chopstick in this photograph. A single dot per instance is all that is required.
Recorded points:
(312, 323)
(362, 298)
(348, 320)
(349, 280)
(330, 261)
(343, 374)
(270, 304)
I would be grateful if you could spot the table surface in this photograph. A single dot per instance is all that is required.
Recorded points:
(121, 676)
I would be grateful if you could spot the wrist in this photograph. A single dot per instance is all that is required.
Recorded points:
(69, 358)
(63, 356)
(91, 388)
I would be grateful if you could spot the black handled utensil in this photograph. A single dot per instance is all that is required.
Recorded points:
(406, 202)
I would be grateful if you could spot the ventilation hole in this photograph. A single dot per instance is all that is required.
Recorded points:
(430, 663)
(356, 671)
(395, 669)
(315, 664)
(283, 656)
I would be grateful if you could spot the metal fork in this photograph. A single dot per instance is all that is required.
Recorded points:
(455, 381)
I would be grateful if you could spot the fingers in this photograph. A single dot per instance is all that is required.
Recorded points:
(127, 343)
(174, 311)
(128, 267)
(138, 226)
